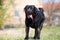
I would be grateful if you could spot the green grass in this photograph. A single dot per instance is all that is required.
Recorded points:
(50, 33)
(47, 33)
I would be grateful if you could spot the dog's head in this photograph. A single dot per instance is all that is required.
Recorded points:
(29, 10)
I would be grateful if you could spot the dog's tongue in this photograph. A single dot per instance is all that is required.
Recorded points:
(31, 16)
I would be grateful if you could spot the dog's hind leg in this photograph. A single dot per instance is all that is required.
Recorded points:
(38, 33)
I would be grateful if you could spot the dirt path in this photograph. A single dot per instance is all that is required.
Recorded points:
(12, 32)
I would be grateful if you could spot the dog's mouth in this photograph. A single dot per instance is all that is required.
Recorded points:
(30, 16)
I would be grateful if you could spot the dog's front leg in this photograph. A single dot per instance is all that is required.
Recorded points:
(35, 33)
(27, 33)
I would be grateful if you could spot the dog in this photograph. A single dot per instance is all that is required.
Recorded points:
(34, 19)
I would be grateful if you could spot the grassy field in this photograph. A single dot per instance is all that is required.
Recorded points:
(47, 33)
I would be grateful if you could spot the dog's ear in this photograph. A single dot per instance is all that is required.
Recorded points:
(25, 8)
(34, 10)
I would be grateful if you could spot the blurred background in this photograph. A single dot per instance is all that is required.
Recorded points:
(12, 16)
(12, 11)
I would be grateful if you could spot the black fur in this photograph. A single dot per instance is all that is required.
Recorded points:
(35, 23)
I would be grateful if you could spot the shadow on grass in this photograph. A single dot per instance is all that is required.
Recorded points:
(31, 38)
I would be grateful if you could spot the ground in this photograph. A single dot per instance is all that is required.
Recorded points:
(47, 33)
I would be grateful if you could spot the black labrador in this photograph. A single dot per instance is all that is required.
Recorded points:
(34, 19)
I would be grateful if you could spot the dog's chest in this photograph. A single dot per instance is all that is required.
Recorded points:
(31, 23)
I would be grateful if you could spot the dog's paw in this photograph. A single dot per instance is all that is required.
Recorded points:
(34, 37)
(26, 37)
(38, 37)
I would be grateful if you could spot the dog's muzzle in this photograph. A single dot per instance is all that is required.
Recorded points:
(30, 16)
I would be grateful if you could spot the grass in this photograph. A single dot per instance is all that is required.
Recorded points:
(47, 33)
(50, 33)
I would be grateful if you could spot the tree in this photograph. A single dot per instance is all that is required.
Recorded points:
(50, 10)
(3, 11)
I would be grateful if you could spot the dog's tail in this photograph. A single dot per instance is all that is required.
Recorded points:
(42, 11)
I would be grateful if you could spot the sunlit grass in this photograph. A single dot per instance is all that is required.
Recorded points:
(47, 33)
